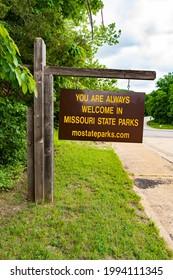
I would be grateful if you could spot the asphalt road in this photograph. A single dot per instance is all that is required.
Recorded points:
(160, 140)
(156, 133)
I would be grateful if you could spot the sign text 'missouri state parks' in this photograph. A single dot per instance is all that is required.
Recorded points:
(101, 115)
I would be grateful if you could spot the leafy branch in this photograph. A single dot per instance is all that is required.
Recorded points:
(11, 71)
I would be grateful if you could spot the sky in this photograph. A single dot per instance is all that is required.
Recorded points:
(146, 41)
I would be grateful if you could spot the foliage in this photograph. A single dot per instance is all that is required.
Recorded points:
(159, 103)
(165, 82)
(15, 81)
(62, 24)
(64, 27)
(170, 106)
(96, 214)
(11, 71)
(12, 141)
(12, 131)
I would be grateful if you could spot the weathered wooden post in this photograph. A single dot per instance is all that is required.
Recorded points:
(40, 132)
(39, 64)
(48, 138)
(30, 154)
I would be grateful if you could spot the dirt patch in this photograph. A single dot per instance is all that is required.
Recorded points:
(145, 183)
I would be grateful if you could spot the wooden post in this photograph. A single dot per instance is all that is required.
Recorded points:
(48, 138)
(30, 153)
(39, 64)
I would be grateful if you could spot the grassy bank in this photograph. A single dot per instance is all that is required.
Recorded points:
(159, 126)
(95, 215)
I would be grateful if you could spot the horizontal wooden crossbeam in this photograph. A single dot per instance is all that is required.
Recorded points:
(100, 73)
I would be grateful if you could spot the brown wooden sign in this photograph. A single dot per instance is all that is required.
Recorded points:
(109, 116)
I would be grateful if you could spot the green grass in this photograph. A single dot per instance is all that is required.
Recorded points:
(159, 126)
(95, 215)
(10, 174)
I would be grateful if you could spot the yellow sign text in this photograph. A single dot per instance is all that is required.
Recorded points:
(128, 122)
(106, 121)
(79, 120)
(98, 109)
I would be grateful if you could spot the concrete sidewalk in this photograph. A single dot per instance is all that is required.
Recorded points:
(153, 178)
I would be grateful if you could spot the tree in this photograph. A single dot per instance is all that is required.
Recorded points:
(149, 104)
(159, 103)
(170, 109)
(62, 24)
(165, 82)
(160, 107)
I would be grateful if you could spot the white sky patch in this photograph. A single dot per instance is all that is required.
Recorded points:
(146, 42)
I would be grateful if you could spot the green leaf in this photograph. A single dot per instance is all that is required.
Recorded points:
(24, 88)
(15, 61)
(12, 76)
(18, 76)
(6, 67)
(24, 77)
